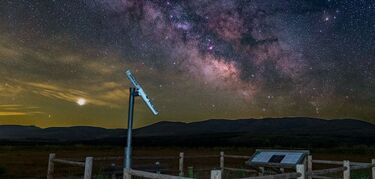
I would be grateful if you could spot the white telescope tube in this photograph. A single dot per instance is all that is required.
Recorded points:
(141, 92)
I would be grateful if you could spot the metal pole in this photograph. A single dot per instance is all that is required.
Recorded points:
(128, 149)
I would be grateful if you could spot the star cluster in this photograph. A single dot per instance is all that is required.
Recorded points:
(198, 59)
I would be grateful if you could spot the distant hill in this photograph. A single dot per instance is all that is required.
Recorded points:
(267, 126)
(269, 131)
(76, 133)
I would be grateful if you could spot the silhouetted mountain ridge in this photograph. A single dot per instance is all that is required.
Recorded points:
(267, 126)
(239, 131)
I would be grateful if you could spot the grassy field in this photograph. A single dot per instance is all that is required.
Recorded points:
(31, 161)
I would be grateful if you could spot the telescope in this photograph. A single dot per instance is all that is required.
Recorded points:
(135, 91)
(141, 93)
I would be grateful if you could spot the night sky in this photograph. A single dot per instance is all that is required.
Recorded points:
(62, 62)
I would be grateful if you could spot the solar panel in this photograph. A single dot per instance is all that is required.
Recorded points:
(283, 158)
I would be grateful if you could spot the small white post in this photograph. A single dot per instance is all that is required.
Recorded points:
(181, 164)
(346, 173)
(300, 168)
(88, 167)
(113, 176)
(373, 168)
(261, 171)
(309, 165)
(157, 165)
(126, 174)
(51, 166)
(215, 174)
(222, 161)
(282, 170)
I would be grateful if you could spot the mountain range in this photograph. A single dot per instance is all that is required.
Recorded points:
(268, 131)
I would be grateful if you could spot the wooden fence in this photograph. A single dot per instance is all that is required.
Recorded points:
(52, 160)
(303, 171)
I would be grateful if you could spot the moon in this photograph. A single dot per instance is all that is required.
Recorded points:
(81, 101)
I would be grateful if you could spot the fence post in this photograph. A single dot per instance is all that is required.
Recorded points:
(261, 171)
(113, 166)
(282, 170)
(88, 167)
(373, 168)
(190, 172)
(222, 161)
(346, 174)
(309, 165)
(157, 165)
(300, 168)
(215, 174)
(51, 166)
(126, 174)
(181, 164)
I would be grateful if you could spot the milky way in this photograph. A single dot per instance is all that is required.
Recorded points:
(252, 58)
(242, 45)
(227, 44)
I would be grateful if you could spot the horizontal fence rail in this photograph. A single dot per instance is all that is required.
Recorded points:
(150, 175)
(323, 177)
(81, 164)
(339, 162)
(240, 170)
(237, 156)
(202, 156)
(283, 175)
(326, 171)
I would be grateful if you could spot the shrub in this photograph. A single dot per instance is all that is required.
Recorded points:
(2, 170)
